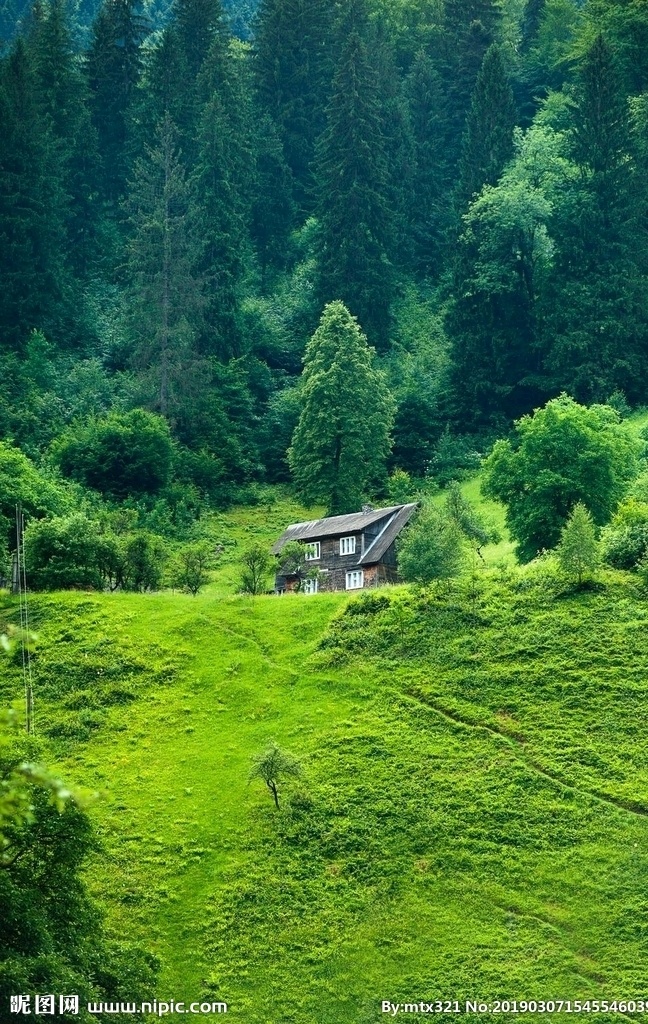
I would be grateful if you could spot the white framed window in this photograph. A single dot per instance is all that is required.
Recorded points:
(313, 551)
(309, 587)
(347, 545)
(355, 580)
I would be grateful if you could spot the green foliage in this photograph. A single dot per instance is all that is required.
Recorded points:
(190, 567)
(121, 454)
(292, 562)
(488, 136)
(165, 290)
(271, 766)
(293, 66)
(563, 454)
(53, 935)
(33, 262)
(257, 566)
(21, 481)
(431, 549)
(453, 456)
(625, 539)
(76, 552)
(144, 556)
(400, 487)
(642, 572)
(354, 210)
(64, 553)
(340, 445)
(468, 519)
(578, 548)
(114, 63)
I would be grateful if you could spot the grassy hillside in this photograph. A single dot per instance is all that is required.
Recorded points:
(471, 818)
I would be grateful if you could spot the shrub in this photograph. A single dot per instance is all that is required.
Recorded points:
(400, 487)
(257, 566)
(563, 454)
(625, 539)
(578, 550)
(68, 553)
(454, 456)
(143, 558)
(642, 571)
(21, 481)
(191, 565)
(121, 455)
(432, 548)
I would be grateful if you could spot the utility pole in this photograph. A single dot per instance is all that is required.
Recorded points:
(19, 578)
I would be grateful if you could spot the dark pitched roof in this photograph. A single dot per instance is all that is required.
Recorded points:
(388, 534)
(354, 522)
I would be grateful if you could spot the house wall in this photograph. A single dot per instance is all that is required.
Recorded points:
(335, 566)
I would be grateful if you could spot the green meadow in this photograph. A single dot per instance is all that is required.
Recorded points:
(470, 821)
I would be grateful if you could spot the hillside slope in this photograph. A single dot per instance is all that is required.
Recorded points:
(471, 820)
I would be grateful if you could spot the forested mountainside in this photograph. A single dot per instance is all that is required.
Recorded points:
(15, 15)
(179, 208)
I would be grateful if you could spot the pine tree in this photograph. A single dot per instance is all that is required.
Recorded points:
(198, 23)
(530, 24)
(33, 209)
(222, 186)
(166, 294)
(578, 550)
(273, 208)
(400, 150)
(532, 76)
(599, 268)
(353, 189)
(471, 26)
(163, 91)
(113, 67)
(601, 127)
(432, 178)
(342, 441)
(294, 65)
(488, 137)
(63, 99)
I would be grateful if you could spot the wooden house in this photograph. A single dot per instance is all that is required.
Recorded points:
(351, 552)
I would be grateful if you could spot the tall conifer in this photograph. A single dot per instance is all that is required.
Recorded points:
(113, 66)
(429, 214)
(33, 208)
(471, 26)
(222, 184)
(293, 65)
(341, 442)
(197, 23)
(600, 268)
(165, 291)
(63, 99)
(353, 186)
(488, 136)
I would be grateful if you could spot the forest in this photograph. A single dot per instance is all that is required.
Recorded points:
(264, 261)
(179, 205)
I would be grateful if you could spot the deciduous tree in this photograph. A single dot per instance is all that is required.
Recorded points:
(564, 454)
(431, 549)
(272, 766)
